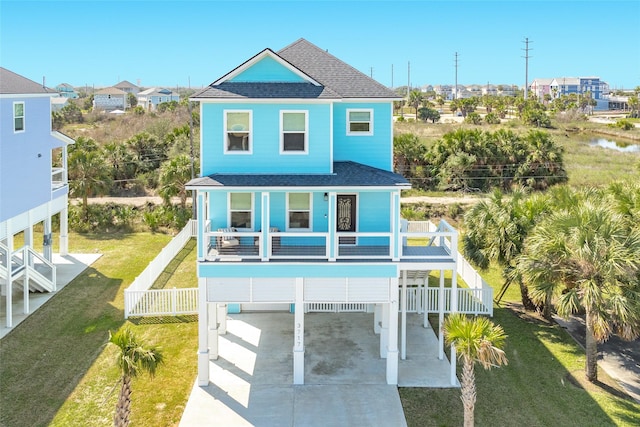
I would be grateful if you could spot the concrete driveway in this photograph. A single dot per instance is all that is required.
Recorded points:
(251, 383)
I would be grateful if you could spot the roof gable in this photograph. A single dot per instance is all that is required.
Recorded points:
(266, 67)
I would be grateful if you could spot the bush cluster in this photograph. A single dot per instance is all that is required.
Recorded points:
(473, 160)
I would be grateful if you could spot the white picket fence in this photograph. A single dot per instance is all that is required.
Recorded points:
(138, 296)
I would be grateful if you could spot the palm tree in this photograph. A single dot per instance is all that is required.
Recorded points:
(174, 175)
(588, 258)
(132, 359)
(495, 232)
(89, 173)
(415, 100)
(478, 340)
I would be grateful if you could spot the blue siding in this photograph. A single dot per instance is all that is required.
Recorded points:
(268, 70)
(297, 270)
(374, 214)
(373, 150)
(266, 157)
(25, 157)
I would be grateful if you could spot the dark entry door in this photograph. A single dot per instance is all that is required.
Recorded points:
(346, 217)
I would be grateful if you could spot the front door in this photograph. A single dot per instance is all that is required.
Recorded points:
(346, 217)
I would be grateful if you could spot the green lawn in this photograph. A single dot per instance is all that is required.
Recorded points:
(55, 367)
(57, 360)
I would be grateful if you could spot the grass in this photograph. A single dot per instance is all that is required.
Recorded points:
(57, 370)
(541, 386)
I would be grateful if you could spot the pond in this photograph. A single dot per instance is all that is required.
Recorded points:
(614, 145)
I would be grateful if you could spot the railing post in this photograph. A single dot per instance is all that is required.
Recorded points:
(174, 301)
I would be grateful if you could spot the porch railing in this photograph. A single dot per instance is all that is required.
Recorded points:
(418, 240)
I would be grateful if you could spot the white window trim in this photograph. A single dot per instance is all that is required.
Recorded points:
(306, 132)
(24, 114)
(230, 210)
(368, 110)
(310, 228)
(224, 133)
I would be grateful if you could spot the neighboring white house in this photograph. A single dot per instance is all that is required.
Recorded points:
(109, 99)
(150, 99)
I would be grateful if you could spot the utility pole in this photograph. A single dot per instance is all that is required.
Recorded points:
(391, 76)
(526, 66)
(194, 211)
(371, 72)
(455, 94)
(408, 78)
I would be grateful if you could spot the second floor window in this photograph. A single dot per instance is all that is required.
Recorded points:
(299, 211)
(294, 131)
(237, 131)
(18, 116)
(241, 210)
(359, 122)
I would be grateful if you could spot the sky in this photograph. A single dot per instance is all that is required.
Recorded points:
(192, 43)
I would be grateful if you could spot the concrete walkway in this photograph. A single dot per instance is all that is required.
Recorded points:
(67, 268)
(251, 383)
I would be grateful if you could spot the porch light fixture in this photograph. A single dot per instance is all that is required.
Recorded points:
(326, 196)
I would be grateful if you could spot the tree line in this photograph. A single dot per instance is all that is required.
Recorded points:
(475, 160)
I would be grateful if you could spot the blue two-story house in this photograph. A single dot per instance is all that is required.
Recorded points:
(297, 202)
(33, 188)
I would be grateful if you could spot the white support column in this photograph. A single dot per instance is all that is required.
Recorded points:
(213, 329)
(266, 225)
(64, 232)
(332, 224)
(403, 324)
(28, 235)
(298, 334)
(222, 318)
(441, 316)
(9, 287)
(384, 329)
(203, 344)
(392, 337)
(425, 285)
(25, 292)
(47, 247)
(377, 318)
(454, 291)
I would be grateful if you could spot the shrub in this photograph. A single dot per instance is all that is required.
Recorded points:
(400, 119)
(622, 124)
(492, 119)
(473, 118)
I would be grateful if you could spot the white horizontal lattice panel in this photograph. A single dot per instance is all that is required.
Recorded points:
(367, 289)
(274, 290)
(230, 289)
(325, 289)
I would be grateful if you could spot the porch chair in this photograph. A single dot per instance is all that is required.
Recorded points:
(225, 243)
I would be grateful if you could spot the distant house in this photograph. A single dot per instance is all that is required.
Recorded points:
(598, 89)
(33, 188)
(150, 99)
(109, 99)
(541, 87)
(445, 91)
(127, 87)
(66, 91)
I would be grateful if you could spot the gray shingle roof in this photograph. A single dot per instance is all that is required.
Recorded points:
(346, 174)
(338, 79)
(332, 72)
(12, 83)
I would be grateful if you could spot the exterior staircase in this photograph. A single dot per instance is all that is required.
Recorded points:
(26, 267)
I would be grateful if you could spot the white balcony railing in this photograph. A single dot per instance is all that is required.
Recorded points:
(417, 240)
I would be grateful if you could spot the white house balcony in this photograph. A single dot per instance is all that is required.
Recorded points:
(417, 241)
